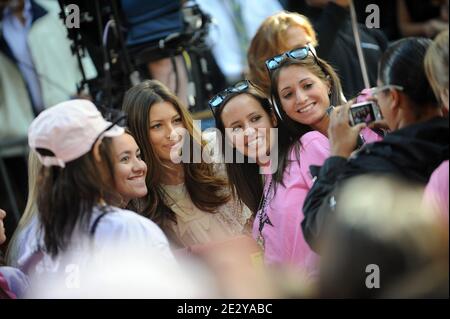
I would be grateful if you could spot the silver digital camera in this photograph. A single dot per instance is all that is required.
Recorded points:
(364, 112)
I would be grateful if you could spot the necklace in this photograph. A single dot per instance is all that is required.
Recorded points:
(263, 217)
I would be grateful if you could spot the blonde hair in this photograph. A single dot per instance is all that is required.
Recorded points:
(271, 40)
(436, 64)
(34, 167)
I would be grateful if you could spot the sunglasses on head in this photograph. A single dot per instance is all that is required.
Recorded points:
(298, 54)
(378, 89)
(218, 99)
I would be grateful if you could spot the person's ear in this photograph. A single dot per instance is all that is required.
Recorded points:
(396, 99)
(96, 151)
(329, 85)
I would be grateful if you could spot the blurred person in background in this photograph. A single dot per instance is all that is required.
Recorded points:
(382, 243)
(149, 22)
(422, 18)
(436, 67)
(37, 70)
(236, 22)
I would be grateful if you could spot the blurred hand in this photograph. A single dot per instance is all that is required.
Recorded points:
(434, 26)
(343, 137)
(438, 25)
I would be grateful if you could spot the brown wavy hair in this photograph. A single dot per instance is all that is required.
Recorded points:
(270, 40)
(205, 189)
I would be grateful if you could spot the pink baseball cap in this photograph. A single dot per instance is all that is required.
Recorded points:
(69, 130)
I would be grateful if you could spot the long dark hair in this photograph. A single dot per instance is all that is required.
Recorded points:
(244, 177)
(68, 195)
(325, 73)
(403, 64)
(204, 187)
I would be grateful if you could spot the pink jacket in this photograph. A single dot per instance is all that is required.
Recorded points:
(284, 242)
(436, 191)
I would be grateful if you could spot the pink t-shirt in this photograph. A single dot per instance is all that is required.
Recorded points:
(284, 241)
(436, 191)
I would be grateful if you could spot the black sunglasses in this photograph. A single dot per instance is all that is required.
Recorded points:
(298, 54)
(218, 99)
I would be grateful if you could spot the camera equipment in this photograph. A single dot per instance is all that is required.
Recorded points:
(102, 33)
(190, 43)
(365, 112)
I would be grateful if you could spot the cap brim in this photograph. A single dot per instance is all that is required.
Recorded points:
(114, 131)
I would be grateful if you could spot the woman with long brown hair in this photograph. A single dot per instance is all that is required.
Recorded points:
(190, 199)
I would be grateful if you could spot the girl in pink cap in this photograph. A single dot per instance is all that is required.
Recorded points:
(129, 171)
(78, 194)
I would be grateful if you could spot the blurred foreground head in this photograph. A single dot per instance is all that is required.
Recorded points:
(383, 243)
(117, 273)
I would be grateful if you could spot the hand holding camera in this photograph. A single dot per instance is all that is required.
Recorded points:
(364, 112)
(343, 136)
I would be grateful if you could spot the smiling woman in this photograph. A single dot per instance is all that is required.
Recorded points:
(129, 169)
(164, 116)
(191, 200)
(274, 192)
(85, 166)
